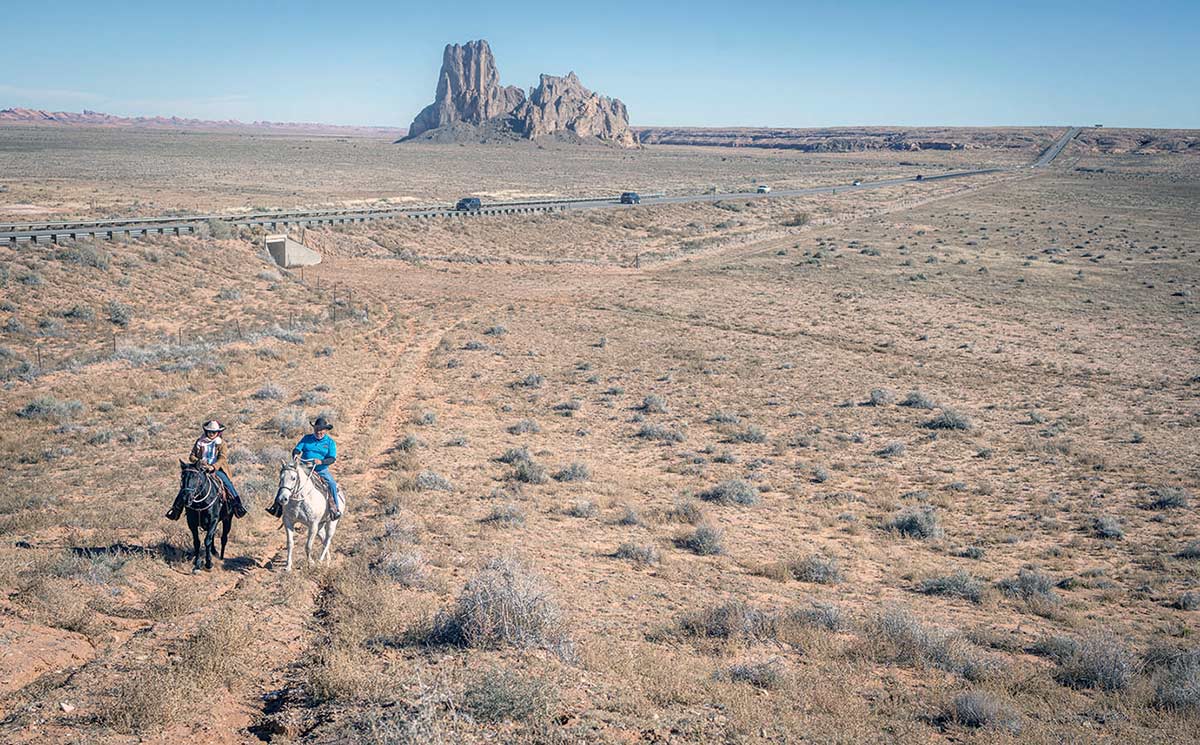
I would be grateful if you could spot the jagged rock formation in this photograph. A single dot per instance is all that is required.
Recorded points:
(468, 90)
(563, 104)
(470, 104)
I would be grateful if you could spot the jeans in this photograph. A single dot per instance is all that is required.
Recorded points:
(333, 487)
(228, 484)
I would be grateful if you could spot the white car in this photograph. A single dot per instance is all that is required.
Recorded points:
(857, 182)
(763, 189)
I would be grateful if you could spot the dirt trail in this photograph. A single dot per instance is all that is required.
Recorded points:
(277, 630)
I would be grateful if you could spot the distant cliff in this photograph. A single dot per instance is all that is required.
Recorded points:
(471, 105)
(87, 118)
(860, 139)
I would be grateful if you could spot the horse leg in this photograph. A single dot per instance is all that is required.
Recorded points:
(226, 523)
(290, 528)
(330, 527)
(308, 542)
(194, 524)
(210, 536)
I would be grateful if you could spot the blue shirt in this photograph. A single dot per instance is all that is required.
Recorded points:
(310, 448)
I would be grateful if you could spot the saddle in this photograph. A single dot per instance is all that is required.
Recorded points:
(322, 487)
(222, 493)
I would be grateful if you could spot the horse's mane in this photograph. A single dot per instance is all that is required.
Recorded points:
(303, 473)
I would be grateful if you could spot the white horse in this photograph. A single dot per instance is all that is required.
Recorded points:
(305, 502)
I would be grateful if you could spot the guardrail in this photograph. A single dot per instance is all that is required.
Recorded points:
(111, 229)
(280, 216)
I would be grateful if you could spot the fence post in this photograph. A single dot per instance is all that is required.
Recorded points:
(238, 323)
(114, 342)
(39, 356)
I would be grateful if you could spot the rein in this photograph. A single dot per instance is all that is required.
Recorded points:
(198, 502)
(287, 497)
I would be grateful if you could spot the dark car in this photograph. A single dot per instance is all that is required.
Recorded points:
(468, 204)
(630, 197)
(920, 177)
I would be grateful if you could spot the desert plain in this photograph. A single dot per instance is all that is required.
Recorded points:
(915, 464)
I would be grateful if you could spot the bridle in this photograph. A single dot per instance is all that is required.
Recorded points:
(200, 500)
(284, 494)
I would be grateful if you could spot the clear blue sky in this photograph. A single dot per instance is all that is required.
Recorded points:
(700, 63)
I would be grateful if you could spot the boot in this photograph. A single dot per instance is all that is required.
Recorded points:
(275, 510)
(334, 512)
(174, 512)
(238, 509)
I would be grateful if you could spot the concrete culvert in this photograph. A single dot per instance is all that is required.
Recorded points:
(288, 253)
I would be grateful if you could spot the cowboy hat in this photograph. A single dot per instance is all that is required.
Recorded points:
(321, 423)
(212, 425)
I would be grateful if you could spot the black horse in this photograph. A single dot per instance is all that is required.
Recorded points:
(206, 506)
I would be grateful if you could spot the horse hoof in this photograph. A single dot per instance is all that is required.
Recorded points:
(195, 570)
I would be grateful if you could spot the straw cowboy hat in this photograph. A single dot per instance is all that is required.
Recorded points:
(212, 425)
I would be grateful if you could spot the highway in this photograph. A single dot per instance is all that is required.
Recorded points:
(53, 232)
(1053, 151)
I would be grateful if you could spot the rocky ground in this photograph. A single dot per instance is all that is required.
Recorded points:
(920, 467)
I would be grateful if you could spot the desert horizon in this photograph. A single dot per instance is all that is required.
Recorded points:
(523, 423)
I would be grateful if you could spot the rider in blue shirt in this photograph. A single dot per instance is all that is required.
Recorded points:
(321, 448)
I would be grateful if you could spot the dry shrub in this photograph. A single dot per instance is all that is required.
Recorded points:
(56, 603)
(766, 674)
(644, 554)
(816, 568)
(959, 584)
(732, 620)
(148, 700)
(504, 605)
(338, 673)
(922, 523)
(582, 508)
(949, 418)
(172, 599)
(502, 695)
(506, 515)
(977, 709)
(574, 472)
(901, 638)
(1099, 660)
(402, 565)
(685, 511)
(705, 540)
(158, 695)
(734, 491)
(1035, 588)
(1177, 683)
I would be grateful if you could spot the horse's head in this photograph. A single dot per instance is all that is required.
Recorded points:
(191, 478)
(289, 480)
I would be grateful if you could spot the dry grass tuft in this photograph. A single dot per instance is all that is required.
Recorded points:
(504, 605)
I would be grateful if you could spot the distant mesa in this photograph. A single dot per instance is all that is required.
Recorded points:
(470, 105)
(85, 118)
